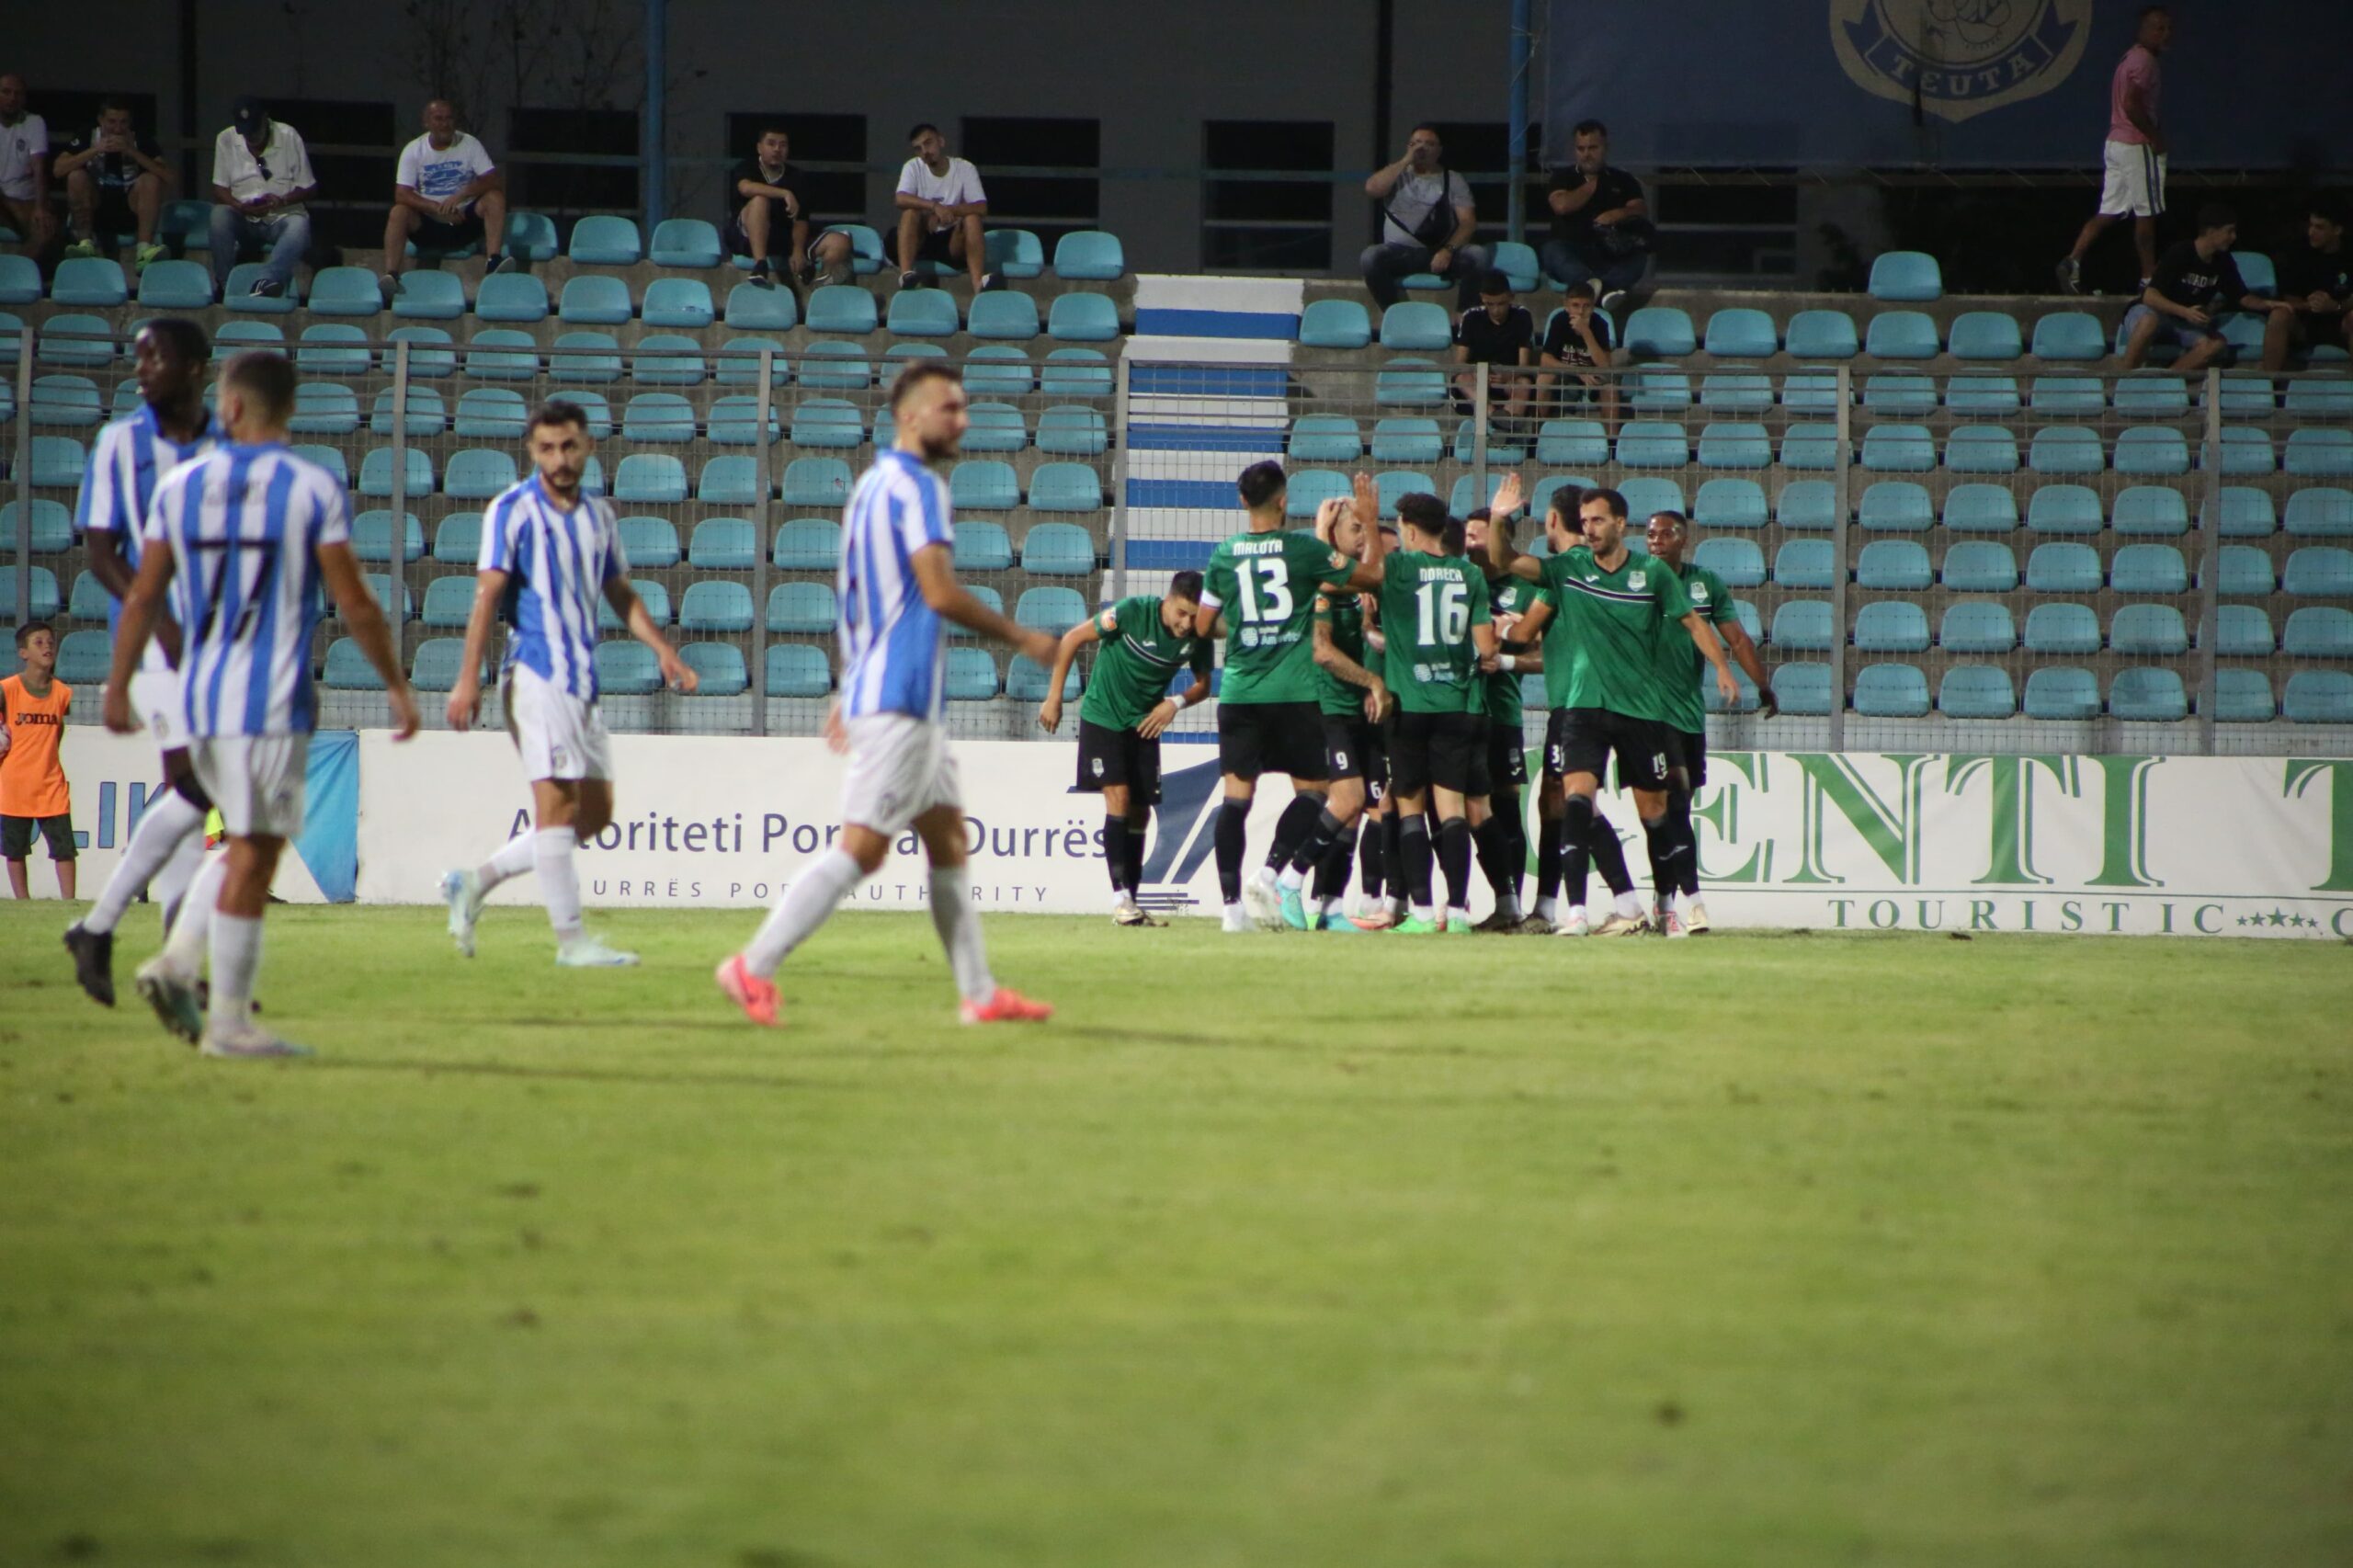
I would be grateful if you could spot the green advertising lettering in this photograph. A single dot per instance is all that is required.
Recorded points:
(1891, 833)
(1722, 813)
(2010, 857)
(2340, 775)
(2124, 822)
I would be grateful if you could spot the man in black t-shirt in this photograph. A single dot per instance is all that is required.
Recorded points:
(1497, 331)
(115, 184)
(2195, 282)
(1601, 225)
(2316, 280)
(1577, 341)
(765, 211)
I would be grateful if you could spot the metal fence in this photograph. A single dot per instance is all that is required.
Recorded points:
(2011, 562)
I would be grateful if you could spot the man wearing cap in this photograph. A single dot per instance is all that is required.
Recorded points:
(261, 178)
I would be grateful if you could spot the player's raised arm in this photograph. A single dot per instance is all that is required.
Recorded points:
(1501, 553)
(934, 567)
(1049, 711)
(141, 608)
(340, 573)
(1365, 497)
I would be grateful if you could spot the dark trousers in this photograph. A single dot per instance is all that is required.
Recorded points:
(1384, 265)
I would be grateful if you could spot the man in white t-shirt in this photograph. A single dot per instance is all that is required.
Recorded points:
(940, 206)
(261, 178)
(1426, 222)
(446, 195)
(23, 167)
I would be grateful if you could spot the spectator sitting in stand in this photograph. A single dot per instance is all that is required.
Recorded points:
(1601, 225)
(940, 206)
(764, 203)
(446, 195)
(114, 186)
(1577, 344)
(24, 168)
(261, 178)
(1427, 223)
(2195, 282)
(1496, 332)
(2317, 280)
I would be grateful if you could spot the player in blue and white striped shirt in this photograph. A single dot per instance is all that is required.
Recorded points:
(898, 585)
(241, 540)
(550, 553)
(129, 459)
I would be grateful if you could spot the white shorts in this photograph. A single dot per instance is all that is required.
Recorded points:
(155, 700)
(899, 768)
(2135, 182)
(559, 735)
(255, 781)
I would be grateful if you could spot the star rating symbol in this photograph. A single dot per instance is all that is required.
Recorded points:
(2278, 918)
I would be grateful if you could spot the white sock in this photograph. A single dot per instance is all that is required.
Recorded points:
(1629, 903)
(236, 959)
(168, 891)
(168, 821)
(1426, 911)
(1666, 903)
(551, 851)
(803, 908)
(1454, 914)
(1577, 913)
(1317, 908)
(1291, 877)
(1547, 909)
(516, 857)
(959, 924)
(1234, 909)
(184, 950)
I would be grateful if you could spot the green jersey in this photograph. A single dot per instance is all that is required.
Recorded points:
(1679, 662)
(1140, 656)
(1344, 613)
(1509, 598)
(1601, 645)
(1429, 605)
(1266, 586)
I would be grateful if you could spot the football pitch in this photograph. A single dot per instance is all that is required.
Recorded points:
(1280, 1250)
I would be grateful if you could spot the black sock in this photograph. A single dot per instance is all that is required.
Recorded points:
(1548, 859)
(1658, 838)
(1332, 871)
(1577, 821)
(1414, 849)
(1134, 871)
(1678, 812)
(1609, 854)
(1393, 847)
(1513, 839)
(1233, 819)
(1115, 853)
(1372, 858)
(1486, 842)
(1454, 858)
(1291, 829)
(1320, 838)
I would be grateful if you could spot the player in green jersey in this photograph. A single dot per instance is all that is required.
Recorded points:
(1497, 812)
(1354, 700)
(1669, 537)
(1145, 641)
(1437, 628)
(1259, 593)
(1608, 607)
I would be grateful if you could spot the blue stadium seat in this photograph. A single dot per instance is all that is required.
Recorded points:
(1539, 503)
(1075, 372)
(1653, 445)
(20, 279)
(2152, 449)
(1803, 626)
(57, 461)
(65, 403)
(811, 544)
(502, 354)
(325, 408)
(1741, 333)
(679, 302)
(1573, 443)
(1734, 445)
(837, 366)
(1908, 275)
(2069, 335)
(1893, 565)
(719, 669)
(591, 300)
(985, 485)
(836, 423)
(2243, 696)
(1891, 691)
(1737, 561)
(2244, 395)
(392, 594)
(430, 350)
(2148, 630)
(1659, 331)
(2256, 271)
(333, 348)
(2318, 697)
(996, 427)
(1985, 336)
(1902, 334)
(2245, 572)
(1057, 549)
(331, 459)
(983, 546)
(1899, 449)
(2066, 448)
(530, 235)
(1393, 485)
(85, 658)
(1083, 318)
(187, 286)
(1005, 316)
(1644, 496)
(371, 536)
(972, 676)
(658, 417)
(1025, 681)
(1806, 564)
(651, 477)
(1897, 506)
(2070, 396)
(1309, 488)
(1814, 447)
(684, 242)
(733, 481)
(1807, 504)
(1406, 438)
(1411, 382)
(448, 601)
(375, 472)
(1416, 324)
(1335, 323)
(2312, 399)
(1983, 396)
(422, 296)
(436, 663)
(627, 669)
(2148, 569)
(1803, 690)
(52, 526)
(457, 541)
(2062, 692)
(490, 414)
(87, 600)
(604, 240)
(1977, 627)
(650, 593)
(2245, 452)
(1072, 430)
(347, 668)
(762, 310)
(922, 313)
(1976, 691)
(93, 282)
(2068, 568)
(1017, 253)
(233, 337)
(1090, 253)
(797, 669)
(599, 412)
(1811, 391)
(2317, 632)
(1981, 449)
(1735, 392)
(715, 606)
(2244, 631)
(2317, 453)
(1823, 335)
(1729, 504)
(2150, 396)
(735, 421)
(841, 308)
(2063, 509)
(649, 542)
(667, 360)
(805, 609)
(2151, 510)
(2320, 511)
(504, 297)
(1518, 262)
(1657, 389)
(1054, 609)
(1981, 508)
(2148, 695)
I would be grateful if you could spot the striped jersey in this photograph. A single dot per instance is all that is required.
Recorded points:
(244, 525)
(130, 457)
(557, 563)
(891, 640)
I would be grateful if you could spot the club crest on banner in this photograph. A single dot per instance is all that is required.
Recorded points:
(1958, 59)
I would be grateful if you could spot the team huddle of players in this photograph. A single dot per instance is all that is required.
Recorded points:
(1380, 671)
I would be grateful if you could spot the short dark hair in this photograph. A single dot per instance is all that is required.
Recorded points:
(2326, 205)
(184, 337)
(914, 374)
(1420, 126)
(1186, 586)
(25, 632)
(920, 127)
(557, 411)
(1578, 290)
(2217, 215)
(1495, 281)
(1607, 496)
(1424, 510)
(1590, 127)
(1670, 515)
(266, 377)
(772, 128)
(1261, 482)
(110, 104)
(1454, 539)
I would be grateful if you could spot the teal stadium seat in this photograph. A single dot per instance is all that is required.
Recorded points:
(1900, 396)
(1902, 334)
(1906, 275)
(2148, 569)
(1090, 254)
(1025, 681)
(1057, 549)
(504, 297)
(972, 676)
(1734, 445)
(1737, 561)
(1004, 317)
(922, 313)
(735, 421)
(2065, 568)
(502, 354)
(1979, 567)
(796, 669)
(2247, 451)
(2065, 509)
(430, 350)
(325, 408)
(983, 546)
(627, 669)
(2148, 630)
(2148, 695)
(85, 658)
(2066, 448)
(1893, 565)
(1809, 447)
(2062, 628)
(1072, 430)
(1015, 253)
(681, 302)
(457, 540)
(730, 481)
(2318, 697)
(423, 296)
(187, 286)
(816, 481)
(806, 609)
(2150, 510)
(1075, 372)
(650, 593)
(2317, 453)
(1335, 323)
(2244, 631)
(834, 423)
(1899, 449)
(1735, 393)
(1066, 487)
(2243, 696)
(1741, 333)
(2245, 572)
(1981, 449)
(1083, 318)
(88, 599)
(1891, 691)
(810, 544)
(1807, 504)
(983, 484)
(375, 472)
(530, 235)
(2149, 450)
(841, 308)
(1653, 444)
(715, 606)
(2152, 397)
(650, 477)
(347, 668)
(333, 348)
(2062, 692)
(1976, 691)
(2319, 512)
(1897, 506)
(667, 360)
(1803, 626)
(1803, 690)
(1977, 628)
(658, 417)
(1407, 438)
(1518, 262)
(762, 310)
(490, 414)
(436, 663)
(371, 536)
(1055, 609)
(448, 601)
(1983, 396)
(1984, 335)
(52, 526)
(1417, 325)
(2316, 631)
(57, 461)
(604, 240)
(93, 282)
(1729, 504)
(1660, 331)
(2069, 335)
(594, 300)
(649, 542)
(20, 279)
(1411, 382)
(684, 242)
(1804, 564)
(1823, 335)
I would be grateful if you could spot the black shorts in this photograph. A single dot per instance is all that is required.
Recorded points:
(1582, 740)
(112, 215)
(1108, 756)
(432, 234)
(1271, 737)
(1503, 765)
(781, 223)
(1441, 749)
(934, 246)
(17, 836)
(1690, 755)
(1354, 748)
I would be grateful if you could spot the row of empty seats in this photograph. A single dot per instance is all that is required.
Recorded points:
(1985, 566)
(2061, 692)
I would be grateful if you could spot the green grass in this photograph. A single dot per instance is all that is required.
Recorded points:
(1282, 1251)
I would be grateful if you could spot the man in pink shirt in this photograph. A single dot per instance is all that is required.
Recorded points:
(2135, 182)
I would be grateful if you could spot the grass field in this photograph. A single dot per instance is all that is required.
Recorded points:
(1280, 1250)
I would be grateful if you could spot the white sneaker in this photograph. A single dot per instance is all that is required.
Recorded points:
(1622, 926)
(1263, 897)
(1671, 924)
(1238, 919)
(590, 952)
(1695, 918)
(1577, 925)
(463, 889)
(173, 995)
(222, 1038)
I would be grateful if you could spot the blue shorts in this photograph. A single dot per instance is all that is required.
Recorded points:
(2170, 328)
